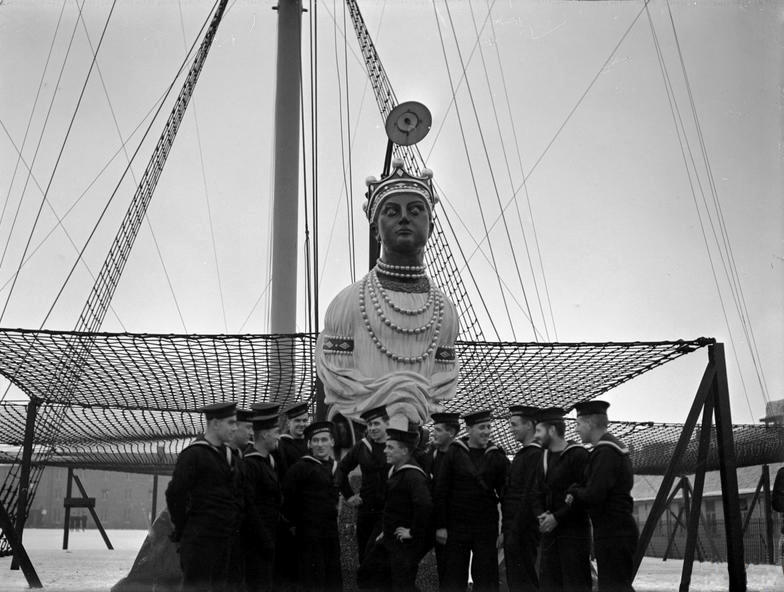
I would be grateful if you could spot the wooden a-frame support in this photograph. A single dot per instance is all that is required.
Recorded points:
(687, 492)
(763, 486)
(80, 502)
(713, 401)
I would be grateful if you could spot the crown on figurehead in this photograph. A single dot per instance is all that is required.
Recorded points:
(399, 181)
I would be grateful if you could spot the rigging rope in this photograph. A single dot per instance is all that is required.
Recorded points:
(35, 156)
(508, 169)
(525, 191)
(29, 123)
(468, 155)
(732, 275)
(562, 126)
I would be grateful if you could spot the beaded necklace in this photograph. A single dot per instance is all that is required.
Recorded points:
(435, 320)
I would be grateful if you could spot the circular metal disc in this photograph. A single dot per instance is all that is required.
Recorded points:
(408, 123)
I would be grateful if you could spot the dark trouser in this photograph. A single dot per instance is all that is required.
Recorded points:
(457, 555)
(368, 528)
(205, 564)
(615, 563)
(259, 567)
(520, 550)
(390, 565)
(319, 563)
(566, 565)
(285, 566)
(440, 560)
(235, 578)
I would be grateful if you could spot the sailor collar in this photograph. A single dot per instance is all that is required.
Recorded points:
(256, 454)
(463, 442)
(321, 462)
(220, 450)
(612, 442)
(392, 470)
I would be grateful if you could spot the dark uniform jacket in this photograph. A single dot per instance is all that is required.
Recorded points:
(408, 502)
(289, 451)
(206, 493)
(310, 497)
(556, 473)
(265, 499)
(518, 497)
(606, 491)
(373, 464)
(468, 487)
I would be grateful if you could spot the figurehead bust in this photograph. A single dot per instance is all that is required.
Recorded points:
(389, 338)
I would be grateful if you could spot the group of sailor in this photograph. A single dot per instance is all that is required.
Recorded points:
(256, 509)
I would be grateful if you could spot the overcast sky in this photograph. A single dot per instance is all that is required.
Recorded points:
(617, 222)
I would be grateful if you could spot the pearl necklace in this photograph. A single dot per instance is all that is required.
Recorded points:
(438, 310)
(376, 287)
(439, 315)
(401, 271)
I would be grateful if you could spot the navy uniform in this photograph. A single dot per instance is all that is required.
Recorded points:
(370, 458)
(291, 449)
(606, 493)
(520, 527)
(432, 462)
(392, 563)
(565, 560)
(203, 498)
(237, 554)
(263, 513)
(310, 503)
(467, 491)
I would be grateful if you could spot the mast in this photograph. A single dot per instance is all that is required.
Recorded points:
(285, 213)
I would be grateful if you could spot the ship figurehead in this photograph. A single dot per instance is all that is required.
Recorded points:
(389, 339)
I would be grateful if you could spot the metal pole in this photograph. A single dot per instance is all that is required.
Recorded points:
(283, 311)
(67, 517)
(24, 477)
(728, 474)
(768, 513)
(154, 512)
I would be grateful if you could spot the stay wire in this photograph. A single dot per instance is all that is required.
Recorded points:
(527, 194)
(38, 144)
(352, 262)
(563, 125)
(313, 21)
(348, 147)
(60, 154)
(684, 145)
(732, 275)
(123, 145)
(306, 246)
(127, 168)
(506, 162)
(468, 156)
(30, 118)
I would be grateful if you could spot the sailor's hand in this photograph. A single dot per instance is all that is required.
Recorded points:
(499, 543)
(354, 501)
(547, 523)
(569, 499)
(441, 536)
(403, 534)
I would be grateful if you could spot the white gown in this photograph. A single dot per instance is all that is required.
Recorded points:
(358, 375)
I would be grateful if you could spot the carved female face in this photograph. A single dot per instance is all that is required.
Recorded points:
(403, 223)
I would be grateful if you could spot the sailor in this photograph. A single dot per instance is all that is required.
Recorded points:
(203, 501)
(264, 507)
(368, 454)
(520, 527)
(565, 529)
(240, 443)
(606, 493)
(468, 488)
(389, 339)
(777, 501)
(445, 429)
(310, 503)
(393, 559)
(291, 447)
(292, 444)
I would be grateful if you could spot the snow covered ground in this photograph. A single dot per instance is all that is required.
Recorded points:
(89, 567)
